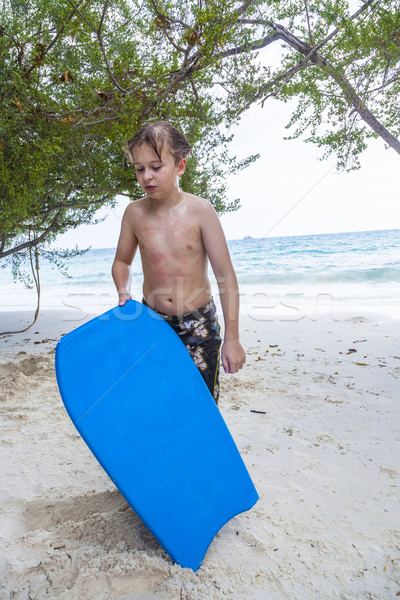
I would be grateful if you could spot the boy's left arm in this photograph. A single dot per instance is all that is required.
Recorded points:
(233, 355)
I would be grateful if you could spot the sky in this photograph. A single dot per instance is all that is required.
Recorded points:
(287, 191)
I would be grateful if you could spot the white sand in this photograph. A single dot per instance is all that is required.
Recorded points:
(323, 454)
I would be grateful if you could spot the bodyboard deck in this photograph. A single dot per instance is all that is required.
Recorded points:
(137, 399)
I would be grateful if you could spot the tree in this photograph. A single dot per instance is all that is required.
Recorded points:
(76, 82)
(79, 77)
(344, 70)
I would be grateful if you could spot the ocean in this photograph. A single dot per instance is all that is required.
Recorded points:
(286, 278)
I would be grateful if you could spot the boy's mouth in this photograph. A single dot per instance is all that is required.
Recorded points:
(150, 188)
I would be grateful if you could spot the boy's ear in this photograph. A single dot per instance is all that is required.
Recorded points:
(181, 166)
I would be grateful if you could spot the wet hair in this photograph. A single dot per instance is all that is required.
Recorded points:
(156, 135)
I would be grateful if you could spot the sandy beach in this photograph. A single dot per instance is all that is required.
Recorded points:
(315, 415)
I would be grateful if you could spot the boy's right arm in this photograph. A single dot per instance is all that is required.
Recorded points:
(126, 250)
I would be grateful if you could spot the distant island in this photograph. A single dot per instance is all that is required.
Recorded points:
(248, 237)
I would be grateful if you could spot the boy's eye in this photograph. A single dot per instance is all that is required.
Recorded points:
(140, 169)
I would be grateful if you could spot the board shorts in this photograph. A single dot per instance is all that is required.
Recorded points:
(200, 332)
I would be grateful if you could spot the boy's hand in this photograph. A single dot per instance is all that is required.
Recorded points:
(233, 356)
(123, 298)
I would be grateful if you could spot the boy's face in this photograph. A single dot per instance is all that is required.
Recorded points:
(157, 178)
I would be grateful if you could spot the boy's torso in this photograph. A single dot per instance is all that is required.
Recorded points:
(173, 256)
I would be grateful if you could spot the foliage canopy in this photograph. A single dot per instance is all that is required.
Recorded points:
(79, 77)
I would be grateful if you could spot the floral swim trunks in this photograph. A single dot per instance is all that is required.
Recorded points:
(200, 332)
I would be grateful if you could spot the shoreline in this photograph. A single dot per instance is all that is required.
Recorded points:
(315, 415)
(53, 323)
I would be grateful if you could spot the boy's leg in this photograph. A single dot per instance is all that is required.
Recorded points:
(200, 332)
(206, 358)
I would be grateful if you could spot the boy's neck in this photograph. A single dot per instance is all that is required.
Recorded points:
(170, 202)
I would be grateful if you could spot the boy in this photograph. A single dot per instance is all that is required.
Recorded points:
(176, 233)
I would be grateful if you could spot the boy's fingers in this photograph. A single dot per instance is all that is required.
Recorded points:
(123, 300)
(225, 364)
(233, 358)
(234, 366)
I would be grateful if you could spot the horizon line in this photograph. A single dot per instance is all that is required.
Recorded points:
(271, 237)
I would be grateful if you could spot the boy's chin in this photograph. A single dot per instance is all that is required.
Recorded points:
(154, 191)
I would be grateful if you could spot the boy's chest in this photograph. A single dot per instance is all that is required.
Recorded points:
(169, 239)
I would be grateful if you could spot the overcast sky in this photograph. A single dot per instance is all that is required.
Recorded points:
(287, 191)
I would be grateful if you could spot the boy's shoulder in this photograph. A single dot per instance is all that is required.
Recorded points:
(139, 203)
(200, 211)
(136, 207)
(199, 203)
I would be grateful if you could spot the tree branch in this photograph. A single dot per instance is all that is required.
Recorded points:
(348, 90)
(198, 100)
(102, 17)
(322, 43)
(72, 205)
(90, 123)
(386, 83)
(169, 19)
(187, 67)
(100, 40)
(308, 24)
(282, 79)
(174, 44)
(36, 277)
(242, 9)
(364, 7)
(249, 47)
(54, 40)
(36, 241)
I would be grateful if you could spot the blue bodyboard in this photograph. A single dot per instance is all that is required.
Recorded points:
(137, 399)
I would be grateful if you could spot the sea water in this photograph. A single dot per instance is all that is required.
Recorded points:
(282, 277)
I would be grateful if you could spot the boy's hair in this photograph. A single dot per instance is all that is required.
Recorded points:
(156, 135)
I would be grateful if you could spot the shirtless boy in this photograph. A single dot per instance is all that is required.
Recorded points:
(177, 233)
